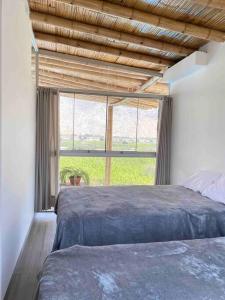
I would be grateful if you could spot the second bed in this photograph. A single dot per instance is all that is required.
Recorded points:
(187, 270)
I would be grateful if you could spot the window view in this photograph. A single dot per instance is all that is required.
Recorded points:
(147, 130)
(92, 126)
(134, 128)
(82, 123)
(92, 169)
(133, 170)
(124, 128)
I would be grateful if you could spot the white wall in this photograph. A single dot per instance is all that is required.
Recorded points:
(198, 132)
(17, 134)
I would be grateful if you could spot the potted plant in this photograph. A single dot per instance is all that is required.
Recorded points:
(64, 174)
(74, 175)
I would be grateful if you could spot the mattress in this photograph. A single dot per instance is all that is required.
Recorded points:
(96, 216)
(187, 270)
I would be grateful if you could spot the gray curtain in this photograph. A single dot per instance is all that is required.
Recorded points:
(47, 147)
(164, 142)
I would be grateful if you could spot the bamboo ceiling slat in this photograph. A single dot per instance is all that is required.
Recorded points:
(99, 64)
(99, 50)
(197, 31)
(69, 84)
(85, 53)
(101, 40)
(96, 31)
(86, 74)
(159, 88)
(220, 4)
(75, 80)
(111, 22)
(188, 10)
(49, 82)
(75, 66)
(107, 80)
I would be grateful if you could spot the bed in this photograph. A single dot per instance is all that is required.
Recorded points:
(175, 270)
(96, 216)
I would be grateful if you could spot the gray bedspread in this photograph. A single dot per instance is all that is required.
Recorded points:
(178, 270)
(135, 214)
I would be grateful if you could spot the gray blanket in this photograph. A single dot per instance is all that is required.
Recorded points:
(135, 214)
(181, 270)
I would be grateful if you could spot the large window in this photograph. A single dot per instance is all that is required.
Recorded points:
(107, 141)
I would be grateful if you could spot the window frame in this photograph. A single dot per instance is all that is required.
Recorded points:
(102, 153)
(108, 154)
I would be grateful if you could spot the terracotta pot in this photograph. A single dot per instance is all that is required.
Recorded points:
(75, 180)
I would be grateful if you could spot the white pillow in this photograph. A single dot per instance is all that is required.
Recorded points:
(201, 180)
(216, 191)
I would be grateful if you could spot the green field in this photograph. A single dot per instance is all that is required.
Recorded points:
(100, 145)
(124, 170)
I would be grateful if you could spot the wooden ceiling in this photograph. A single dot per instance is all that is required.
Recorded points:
(120, 45)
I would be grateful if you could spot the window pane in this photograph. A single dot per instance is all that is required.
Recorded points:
(66, 123)
(147, 129)
(124, 128)
(131, 171)
(90, 124)
(82, 122)
(124, 171)
(94, 167)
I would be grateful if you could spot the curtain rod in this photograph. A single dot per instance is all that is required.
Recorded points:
(113, 94)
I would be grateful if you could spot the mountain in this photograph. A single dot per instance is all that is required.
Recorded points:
(90, 119)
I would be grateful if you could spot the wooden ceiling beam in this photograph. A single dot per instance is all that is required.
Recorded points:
(72, 83)
(89, 48)
(59, 84)
(142, 88)
(75, 80)
(158, 88)
(219, 4)
(99, 64)
(148, 84)
(107, 34)
(148, 18)
(133, 103)
(79, 67)
(91, 74)
(131, 84)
